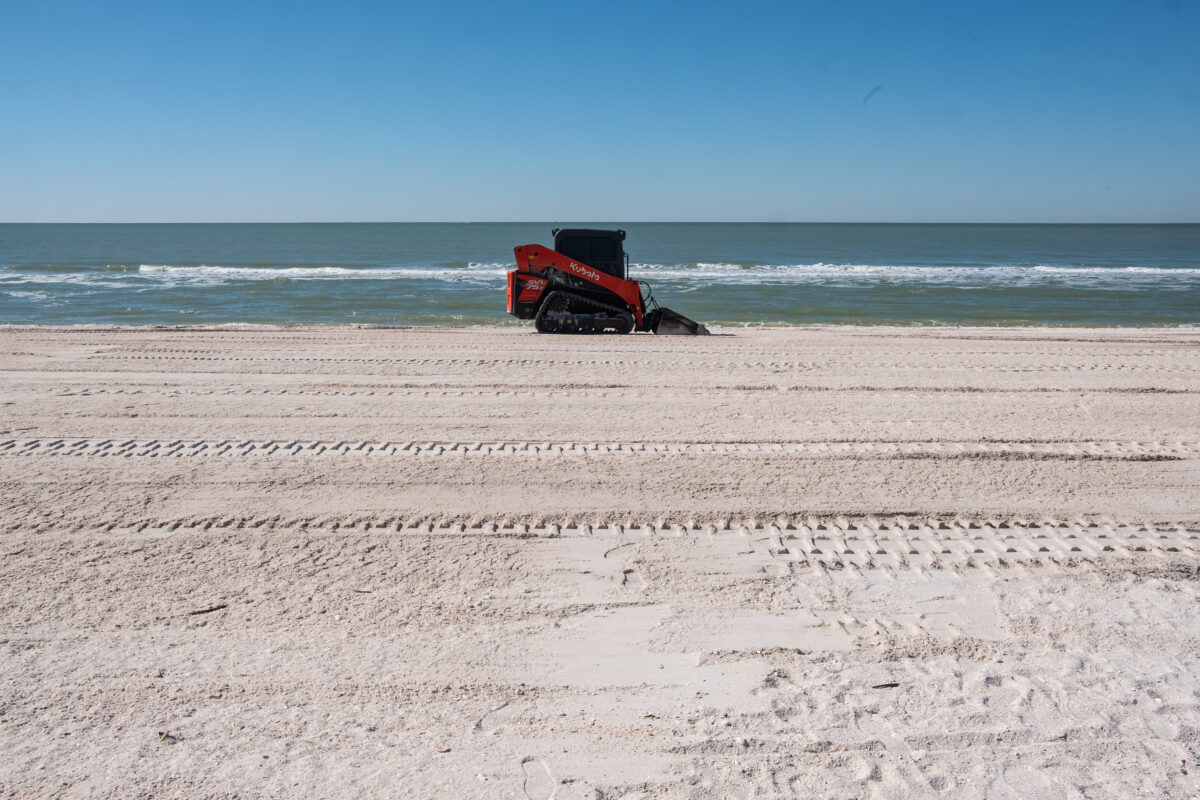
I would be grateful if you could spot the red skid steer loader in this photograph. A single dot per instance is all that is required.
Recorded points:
(580, 287)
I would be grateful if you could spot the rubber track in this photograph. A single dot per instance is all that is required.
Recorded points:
(180, 448)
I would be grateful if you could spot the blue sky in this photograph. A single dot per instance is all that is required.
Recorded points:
(832, 111)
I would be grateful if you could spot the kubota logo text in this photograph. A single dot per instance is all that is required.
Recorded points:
(586, 272)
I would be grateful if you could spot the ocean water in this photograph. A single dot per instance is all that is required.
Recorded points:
(724, 274)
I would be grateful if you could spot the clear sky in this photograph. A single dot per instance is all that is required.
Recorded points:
(398, 111)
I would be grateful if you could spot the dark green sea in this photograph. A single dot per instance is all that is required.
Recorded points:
(723, 274)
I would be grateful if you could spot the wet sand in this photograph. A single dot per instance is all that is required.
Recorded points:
(486, 563)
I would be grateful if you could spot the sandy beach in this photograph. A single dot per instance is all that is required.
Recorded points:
(812, 562)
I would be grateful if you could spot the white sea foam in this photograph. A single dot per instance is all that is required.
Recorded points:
(34, 296)
(163, 276)
(210, 275)
(100, 280)
(1176, 272)
(963, 276)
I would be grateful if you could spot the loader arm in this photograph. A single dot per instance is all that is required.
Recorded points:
(534, 258)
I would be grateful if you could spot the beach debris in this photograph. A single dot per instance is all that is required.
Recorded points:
(168, 737)
(441, 749)
(885, 686)
(208, 610)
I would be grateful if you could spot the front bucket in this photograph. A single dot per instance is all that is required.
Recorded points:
(671, 323)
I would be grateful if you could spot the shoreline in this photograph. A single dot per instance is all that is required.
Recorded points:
(524, 326)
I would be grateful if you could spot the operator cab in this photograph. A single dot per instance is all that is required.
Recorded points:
(598, 249)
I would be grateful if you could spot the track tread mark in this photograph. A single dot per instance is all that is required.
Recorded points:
(816, 544)
(622, 392)
(668, 359)
(154, 448)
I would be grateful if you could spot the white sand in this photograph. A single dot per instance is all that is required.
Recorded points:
(485, 563)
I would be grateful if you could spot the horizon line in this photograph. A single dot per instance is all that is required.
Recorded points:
(601, 222)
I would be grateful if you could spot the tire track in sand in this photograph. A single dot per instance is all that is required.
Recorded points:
(782, 546)
(208, 448)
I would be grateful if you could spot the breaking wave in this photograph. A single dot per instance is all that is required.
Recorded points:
(220, 274)
(153, 276)
(965, 276)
